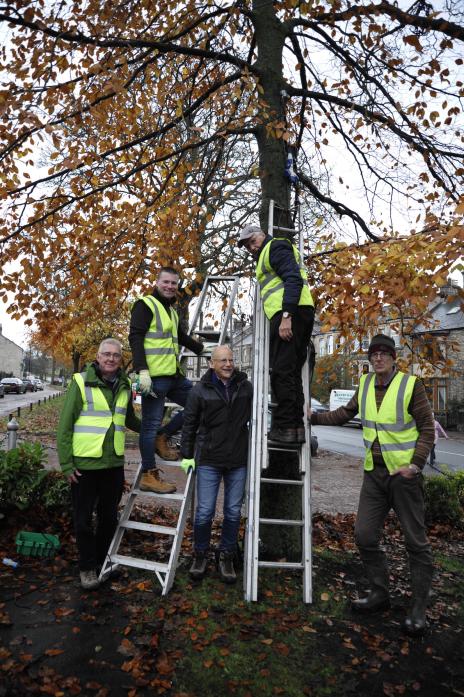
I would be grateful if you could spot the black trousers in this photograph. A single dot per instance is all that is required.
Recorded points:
(99, 491)
(286, 359)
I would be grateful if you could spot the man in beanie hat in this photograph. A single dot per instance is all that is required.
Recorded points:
(398, 434)
(289, 307)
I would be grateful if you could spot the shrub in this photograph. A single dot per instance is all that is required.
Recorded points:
(444, 498)
(24, 481)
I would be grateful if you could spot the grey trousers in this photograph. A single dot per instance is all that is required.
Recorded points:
(380, 492)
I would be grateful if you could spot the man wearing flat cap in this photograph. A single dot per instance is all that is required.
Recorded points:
(398, 433)
(289, 307)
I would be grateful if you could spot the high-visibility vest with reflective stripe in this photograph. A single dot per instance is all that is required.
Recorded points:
(96, 418)
(392, 424)
(161, 342)
(271, 285)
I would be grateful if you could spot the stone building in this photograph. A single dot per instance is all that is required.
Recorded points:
(437, 342)
(11, 356)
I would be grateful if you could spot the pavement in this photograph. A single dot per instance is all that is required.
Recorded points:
(335, 479)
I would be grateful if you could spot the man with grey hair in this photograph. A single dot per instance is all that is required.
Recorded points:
(289, 307)
(90, 439)
(215, 443)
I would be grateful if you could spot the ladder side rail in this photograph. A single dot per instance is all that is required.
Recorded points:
(261, 439)
(306, 462)
(227, 323)
(125, 514)
(255, 448)
(177, 541)
(250, 491)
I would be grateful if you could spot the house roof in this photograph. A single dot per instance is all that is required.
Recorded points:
(447, 315)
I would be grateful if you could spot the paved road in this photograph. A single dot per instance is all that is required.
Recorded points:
(10, 403)
(347, 440)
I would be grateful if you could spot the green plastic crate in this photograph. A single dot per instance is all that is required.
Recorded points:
(37, 544)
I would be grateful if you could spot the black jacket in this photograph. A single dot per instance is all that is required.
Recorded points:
(215, 431)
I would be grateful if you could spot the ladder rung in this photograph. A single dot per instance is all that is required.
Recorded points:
(152, 494)
(139, 563)
(221, 278)
(281, 564)
(280, 521)
(275, 445)
(190, 354)
(294, 482)
(285, 229)
(149, 527)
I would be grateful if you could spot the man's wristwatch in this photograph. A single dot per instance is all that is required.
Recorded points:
(415, 468)
(286, 315)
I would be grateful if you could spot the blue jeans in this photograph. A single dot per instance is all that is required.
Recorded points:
(177, 389)
(208, 480)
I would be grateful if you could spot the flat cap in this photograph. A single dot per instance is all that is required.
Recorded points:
(247, 232)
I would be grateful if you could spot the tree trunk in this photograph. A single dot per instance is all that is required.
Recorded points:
(270, 37)
(276, 501)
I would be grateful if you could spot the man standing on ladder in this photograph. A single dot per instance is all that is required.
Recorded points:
(154, 337)
(289, 307)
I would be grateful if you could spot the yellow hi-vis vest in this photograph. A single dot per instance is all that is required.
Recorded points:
(392, 424)
(271, 285)
(96, 418)
(161, 343)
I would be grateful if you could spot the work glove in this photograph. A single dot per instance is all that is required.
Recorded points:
(144, 382)
(188, 464)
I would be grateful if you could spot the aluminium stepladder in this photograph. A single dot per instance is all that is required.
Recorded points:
(258, 460)
(165, 571)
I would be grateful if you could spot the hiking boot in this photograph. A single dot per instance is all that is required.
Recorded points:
(151, 481)
(89, 579)
(225, 563)
(283, 435)
(198, 568)
(164, 450)
(375, 601)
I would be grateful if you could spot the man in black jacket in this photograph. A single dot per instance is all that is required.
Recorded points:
(288, 305)
(155, 336)
(215, 438)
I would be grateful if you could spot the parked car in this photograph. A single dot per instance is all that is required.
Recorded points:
(316, 406)
(13, 385)
(38, 384)
(2, 391)
(30, 385)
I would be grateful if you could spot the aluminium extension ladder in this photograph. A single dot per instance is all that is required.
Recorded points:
(258, 459)
(165, 571)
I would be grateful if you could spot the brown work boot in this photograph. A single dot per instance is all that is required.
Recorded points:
(164, 450)
(151, 481)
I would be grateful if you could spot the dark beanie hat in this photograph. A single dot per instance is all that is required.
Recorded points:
(380, 342)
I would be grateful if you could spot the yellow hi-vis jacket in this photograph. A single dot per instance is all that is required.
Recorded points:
(392, 424)
(161, 341)
(96, 418)
(271, 285)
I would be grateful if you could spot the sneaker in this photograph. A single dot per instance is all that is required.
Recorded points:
(151, 481)
(198, 568)
(164, 449)
(226, 566)
(89, 579)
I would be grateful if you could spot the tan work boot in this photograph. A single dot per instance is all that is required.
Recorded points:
(164, 450)
(151, 481)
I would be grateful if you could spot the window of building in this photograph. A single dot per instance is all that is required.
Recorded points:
(330, 344)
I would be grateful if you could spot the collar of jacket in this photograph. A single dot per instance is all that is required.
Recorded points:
(164, 301)
(237, 376)
(94, 379)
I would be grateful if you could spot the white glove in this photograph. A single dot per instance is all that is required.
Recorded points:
(145, 382)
